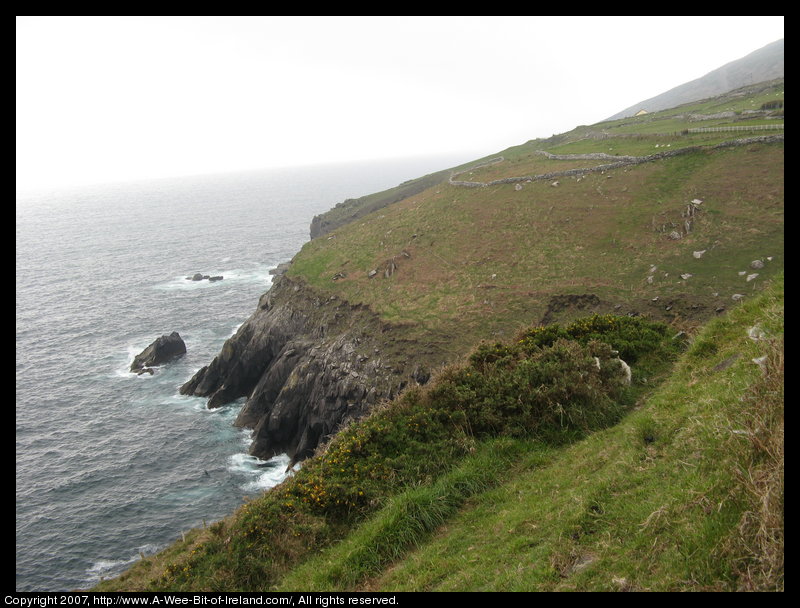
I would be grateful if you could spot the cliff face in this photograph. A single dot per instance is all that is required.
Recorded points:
(306, 365)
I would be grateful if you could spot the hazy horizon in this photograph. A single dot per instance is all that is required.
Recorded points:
(114, 99)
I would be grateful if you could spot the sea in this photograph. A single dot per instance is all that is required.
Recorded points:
(112, 466)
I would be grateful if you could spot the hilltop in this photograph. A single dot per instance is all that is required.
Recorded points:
(766, 63)
(380, 357)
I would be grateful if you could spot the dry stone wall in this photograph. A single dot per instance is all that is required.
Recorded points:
(620, 161)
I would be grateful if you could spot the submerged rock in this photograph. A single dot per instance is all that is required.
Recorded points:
(162, 350)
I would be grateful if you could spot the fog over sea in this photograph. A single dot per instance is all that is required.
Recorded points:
(111, 465)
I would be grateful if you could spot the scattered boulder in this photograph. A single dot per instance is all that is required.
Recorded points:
(761, 362)
(757, 264)
(675, 235)
(216, 278)
(750, 277)
(162, 350)
(698, 254)
(518, 187)
(756, 333)
(196, 277)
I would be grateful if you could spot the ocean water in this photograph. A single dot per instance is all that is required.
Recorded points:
(110, 465)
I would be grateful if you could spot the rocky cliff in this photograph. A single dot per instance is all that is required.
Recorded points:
(306, 365)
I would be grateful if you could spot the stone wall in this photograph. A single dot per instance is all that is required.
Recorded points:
(621, 161)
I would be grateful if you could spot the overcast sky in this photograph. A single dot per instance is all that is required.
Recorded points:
(104, 99)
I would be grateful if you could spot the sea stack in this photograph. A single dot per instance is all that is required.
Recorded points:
(162, 350)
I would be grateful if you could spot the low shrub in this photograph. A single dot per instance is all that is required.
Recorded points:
(632, 337)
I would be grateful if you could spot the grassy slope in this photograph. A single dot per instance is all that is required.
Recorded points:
(483, 263)
(663, 501)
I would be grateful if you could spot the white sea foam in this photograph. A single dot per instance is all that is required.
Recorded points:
(122, 369)
(254, 275)
(261, 474)
(106, 568)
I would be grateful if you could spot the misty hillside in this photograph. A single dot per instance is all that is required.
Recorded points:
(764, 64)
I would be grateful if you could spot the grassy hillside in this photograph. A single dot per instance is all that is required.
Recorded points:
(457, 265)
(686, 493)
(527, 463)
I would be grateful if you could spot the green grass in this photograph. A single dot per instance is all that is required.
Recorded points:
(629, 136)
(482, 263)
(411, 518)
(661, 502)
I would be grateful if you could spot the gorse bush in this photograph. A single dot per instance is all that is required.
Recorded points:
(632, 337)
(546, 390)
(407, 443)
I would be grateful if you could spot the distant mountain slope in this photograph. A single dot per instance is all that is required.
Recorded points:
(764, 64)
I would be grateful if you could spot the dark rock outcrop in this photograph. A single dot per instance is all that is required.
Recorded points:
(162, 350)
(306, 364)
(204, 277)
